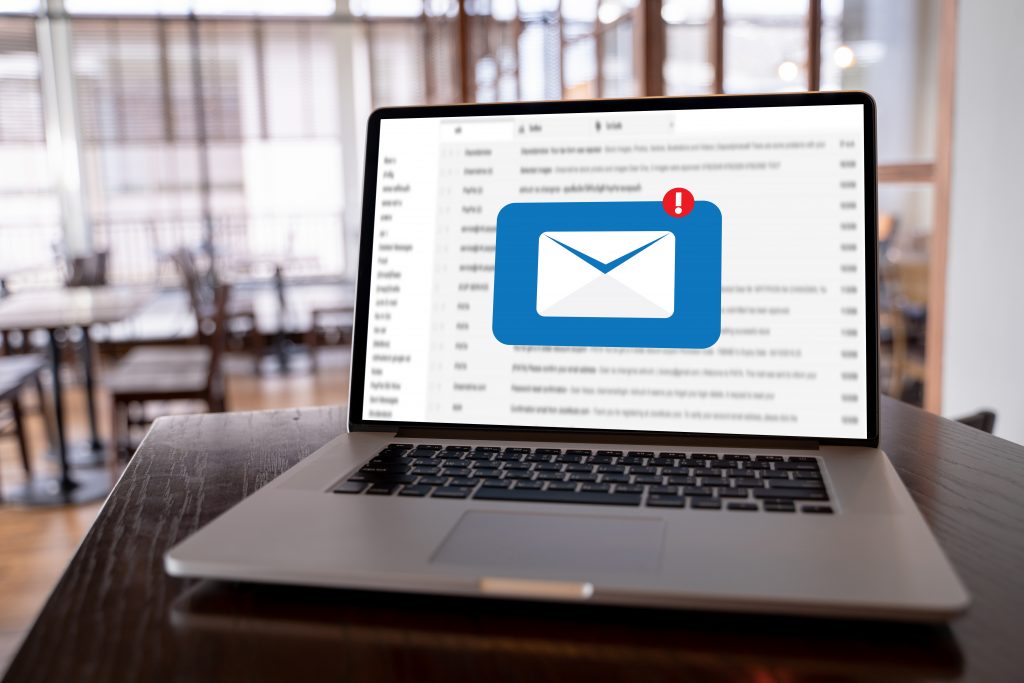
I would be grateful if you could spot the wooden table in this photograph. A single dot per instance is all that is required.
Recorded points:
(115, 615)
(56, 310)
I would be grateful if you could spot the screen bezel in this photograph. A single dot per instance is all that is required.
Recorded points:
(356, 422)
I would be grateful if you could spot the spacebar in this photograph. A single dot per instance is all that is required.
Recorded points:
(534, 496)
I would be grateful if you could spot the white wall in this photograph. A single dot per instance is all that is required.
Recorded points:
(983, 360)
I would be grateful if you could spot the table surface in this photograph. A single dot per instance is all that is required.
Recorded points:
(62, 307)
(115, 615)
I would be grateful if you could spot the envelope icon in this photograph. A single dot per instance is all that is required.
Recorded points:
(606, 274)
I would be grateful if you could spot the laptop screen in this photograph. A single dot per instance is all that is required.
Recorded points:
(700, 271)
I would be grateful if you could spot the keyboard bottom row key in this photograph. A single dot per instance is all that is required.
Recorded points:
(556, 496)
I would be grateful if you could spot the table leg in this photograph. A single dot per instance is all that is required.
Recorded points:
(66, 482)
(64, 490)
(90, 390)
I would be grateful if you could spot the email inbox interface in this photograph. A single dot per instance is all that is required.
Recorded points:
(744, 317)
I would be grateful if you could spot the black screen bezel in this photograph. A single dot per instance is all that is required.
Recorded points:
(356, 422)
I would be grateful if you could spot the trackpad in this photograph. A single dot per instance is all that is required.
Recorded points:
(572, 543)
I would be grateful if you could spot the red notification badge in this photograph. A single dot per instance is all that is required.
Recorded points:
(677, 202)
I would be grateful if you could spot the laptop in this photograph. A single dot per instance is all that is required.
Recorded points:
(617, 352)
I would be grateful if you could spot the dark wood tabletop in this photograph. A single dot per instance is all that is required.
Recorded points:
(116, 616)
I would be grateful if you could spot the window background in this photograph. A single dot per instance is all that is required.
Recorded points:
(236, 126)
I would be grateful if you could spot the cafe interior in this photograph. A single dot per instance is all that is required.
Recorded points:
(159, 255)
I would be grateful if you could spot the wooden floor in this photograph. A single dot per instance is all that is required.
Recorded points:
(36, 544)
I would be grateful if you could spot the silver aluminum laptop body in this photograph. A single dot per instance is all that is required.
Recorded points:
(872, 556)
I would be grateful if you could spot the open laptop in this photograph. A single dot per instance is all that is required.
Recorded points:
(617, 351)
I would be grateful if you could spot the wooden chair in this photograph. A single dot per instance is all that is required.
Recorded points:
(326, 322)
(241, 315)
(182, 373)
(15, 373)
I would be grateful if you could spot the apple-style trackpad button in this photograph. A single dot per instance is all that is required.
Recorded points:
(572, 543)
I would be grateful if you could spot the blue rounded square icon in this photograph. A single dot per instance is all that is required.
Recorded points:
(619, 274)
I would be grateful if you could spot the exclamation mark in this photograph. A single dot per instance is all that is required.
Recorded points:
(679, 203)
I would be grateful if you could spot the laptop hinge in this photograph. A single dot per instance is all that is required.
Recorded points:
(680, 441)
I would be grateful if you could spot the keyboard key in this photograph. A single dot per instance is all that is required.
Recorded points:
(556, 496)
(456, 472)
(641, 454)
(550, 476)
(774, 475)
(382, 489)
(569, 457)
(529, 485)
(599, 488)
(714, 481)
(727, 492)
(452, 492)
(807, 475)
(611, 469)
(488, 449)
(796, 484)
(425, 471)
(520, 450)
(400, 446)
(579, 468)
(350, 487)
(562, 486)
(769, 458)
(640, 469)
(735, 456)
(769, 506)
(748, 507)
(391, 479)
(748, 482)
(578, 451)
(706, 503)
(615, 478)
(613, 454)
(496, 483)
(583, 477)
(665, 490)
(519, 475)
(789, 494)
(697, 491)
(481, 456)
(601, 460)
(520, 466)
(428, 447)
(817, 509)
(464, 481)
(648, 479)
(417, 490)
(800, 458)
(628, 488)
(547, 451)
(665, 501)
(433, 481)
(459, 448)
(683, 481)
(705, 472)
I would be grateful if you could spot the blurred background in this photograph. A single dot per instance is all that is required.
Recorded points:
(234, 128)
(155, 154)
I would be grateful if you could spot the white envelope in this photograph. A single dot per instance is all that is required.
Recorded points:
(607, 274)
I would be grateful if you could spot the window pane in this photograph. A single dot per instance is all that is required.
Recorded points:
(889, 49)
(688, 68)
(29, 210)
(905, 226)
(765, 45)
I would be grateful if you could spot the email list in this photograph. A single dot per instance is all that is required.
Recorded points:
(790, 351)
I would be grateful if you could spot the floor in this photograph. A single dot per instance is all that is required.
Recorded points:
(36, 544)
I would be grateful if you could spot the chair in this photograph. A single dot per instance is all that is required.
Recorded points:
(985, 420)
(326, 323)
(15, 373)
(170, 373)
(241, 315)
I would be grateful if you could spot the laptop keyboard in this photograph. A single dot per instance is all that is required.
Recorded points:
(705, 481)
